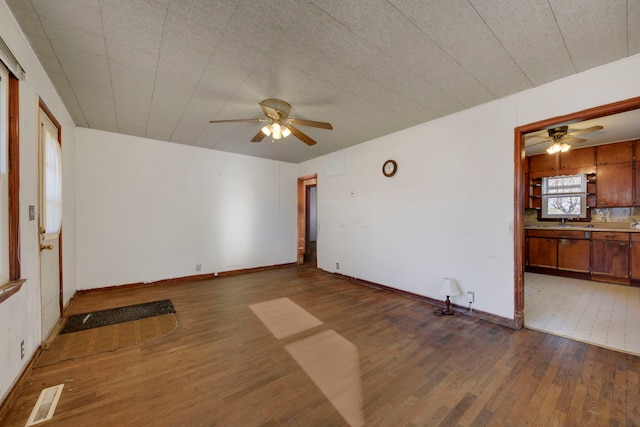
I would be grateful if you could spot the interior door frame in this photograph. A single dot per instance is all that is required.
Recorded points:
(55, 122)
(304, 185)
(519, 186)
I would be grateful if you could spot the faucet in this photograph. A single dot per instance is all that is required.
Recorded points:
(564, 221)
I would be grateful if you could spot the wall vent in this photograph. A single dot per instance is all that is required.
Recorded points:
(45, 406)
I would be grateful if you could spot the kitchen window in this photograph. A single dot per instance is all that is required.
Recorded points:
(564, 196)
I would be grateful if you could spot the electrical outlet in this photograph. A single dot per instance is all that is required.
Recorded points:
(337, 266)
(198, 267)
(21, 349)
(472, 297)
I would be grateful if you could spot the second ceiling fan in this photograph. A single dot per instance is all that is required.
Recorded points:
(561, 136)
(279, 124)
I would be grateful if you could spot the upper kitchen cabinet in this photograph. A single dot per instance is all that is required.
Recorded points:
(543, 165)
(615, 174)
(614, 185)
(575, 161)
(609, 154)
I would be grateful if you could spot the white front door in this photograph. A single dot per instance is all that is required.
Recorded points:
(50, 214)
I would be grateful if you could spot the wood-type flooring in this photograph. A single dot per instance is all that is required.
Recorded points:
(376, 359)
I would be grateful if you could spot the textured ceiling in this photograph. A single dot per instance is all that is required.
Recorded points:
(162, 69)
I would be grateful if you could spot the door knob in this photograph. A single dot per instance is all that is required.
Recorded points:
(43, 247)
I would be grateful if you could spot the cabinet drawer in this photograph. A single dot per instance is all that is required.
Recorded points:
(635, 237)
(606, 235)
(559, 234)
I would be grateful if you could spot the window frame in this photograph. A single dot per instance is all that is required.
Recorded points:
(14, 283)
(570, 191)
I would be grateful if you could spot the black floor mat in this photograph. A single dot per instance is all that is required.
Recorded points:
(80, 322)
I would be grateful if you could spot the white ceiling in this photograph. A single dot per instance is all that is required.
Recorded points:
(162, 69)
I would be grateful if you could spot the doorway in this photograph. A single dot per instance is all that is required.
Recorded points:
(520, 193)
(307, 219)
(50, 219)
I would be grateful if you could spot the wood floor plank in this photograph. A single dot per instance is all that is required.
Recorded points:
(222, 366)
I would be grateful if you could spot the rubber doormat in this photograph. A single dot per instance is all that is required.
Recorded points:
(96, 319)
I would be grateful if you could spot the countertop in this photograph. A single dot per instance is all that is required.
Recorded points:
(607, 226)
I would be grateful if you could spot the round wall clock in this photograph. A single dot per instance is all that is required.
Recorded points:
(389, 168)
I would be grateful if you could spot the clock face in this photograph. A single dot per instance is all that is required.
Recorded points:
(389, 168)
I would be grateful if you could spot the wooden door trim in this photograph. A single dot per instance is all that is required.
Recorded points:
(301, 238)
(519, 192)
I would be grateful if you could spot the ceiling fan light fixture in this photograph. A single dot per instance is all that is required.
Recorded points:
(266, 130)
(286, 132)
(558, 147)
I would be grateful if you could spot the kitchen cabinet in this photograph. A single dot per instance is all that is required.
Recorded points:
(636, 170)
(543, 163)
(614, 185)
(559, 249)
(610, 255)
(634, 259)
(574, 255)
(535, 193)
(597, 255)
(575, 161)
(609, 154)
(542, 252)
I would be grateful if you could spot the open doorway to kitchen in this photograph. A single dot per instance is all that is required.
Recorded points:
(529, 287)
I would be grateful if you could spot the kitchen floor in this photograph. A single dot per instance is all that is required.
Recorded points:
(598, 313)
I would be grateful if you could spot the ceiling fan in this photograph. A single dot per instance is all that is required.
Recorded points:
(279, 124)
(561, 136)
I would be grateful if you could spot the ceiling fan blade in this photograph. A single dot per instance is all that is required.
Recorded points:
(579, 131)
(258, 137)
(572, 139)
(311, 123)
(237, 120)
(538, 143)
(532, 136)
(301, 135)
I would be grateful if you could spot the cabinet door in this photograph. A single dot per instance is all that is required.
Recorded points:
(543, 252)
(636, 200)
(614, 185)
(610, 258)
(620, 152)
(576, 159)
(574, 255)
(634, 259)
(543, 163)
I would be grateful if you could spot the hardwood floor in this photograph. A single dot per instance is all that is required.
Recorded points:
(223, 366)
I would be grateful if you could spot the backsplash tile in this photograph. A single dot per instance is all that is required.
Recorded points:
(598, 215)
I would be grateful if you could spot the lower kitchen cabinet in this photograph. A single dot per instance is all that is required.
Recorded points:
(603, 256)
(574, 255)
(543, 252)
(634, 259)
(610, 257)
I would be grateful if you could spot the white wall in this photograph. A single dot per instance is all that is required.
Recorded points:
(449, 209)
(20, 314)
(149, 210)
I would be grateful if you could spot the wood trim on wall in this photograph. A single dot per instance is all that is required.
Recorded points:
(519, 191)
(14, 178)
